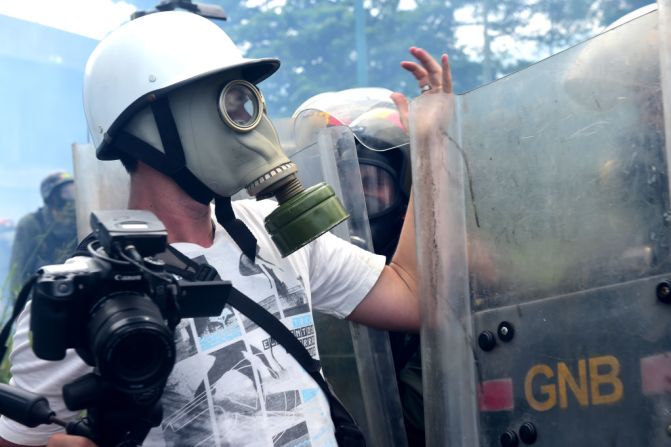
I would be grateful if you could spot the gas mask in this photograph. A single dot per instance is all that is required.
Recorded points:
(200, 119)
(230, 144)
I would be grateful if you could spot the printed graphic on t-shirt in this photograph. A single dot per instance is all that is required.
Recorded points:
(232, 385)
(215, 331)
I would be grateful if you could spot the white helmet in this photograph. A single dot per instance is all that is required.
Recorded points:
(151, 56)
(368, 111)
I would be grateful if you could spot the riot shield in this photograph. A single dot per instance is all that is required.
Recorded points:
(100, 185)
(542, 216)
(357, 360)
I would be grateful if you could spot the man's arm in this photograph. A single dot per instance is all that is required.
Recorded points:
(4, 443)
(57, 440)
(393, 302)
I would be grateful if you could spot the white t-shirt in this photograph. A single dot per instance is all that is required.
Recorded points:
(231, 384)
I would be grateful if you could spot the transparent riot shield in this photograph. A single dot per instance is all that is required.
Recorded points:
(542, 216)
(357, 360)
(100, 185)
(665, 62)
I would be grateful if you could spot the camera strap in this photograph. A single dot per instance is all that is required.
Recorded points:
(19, 304)
(347, 432)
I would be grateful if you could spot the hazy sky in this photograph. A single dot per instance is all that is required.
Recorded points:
(95, 18)
(90, 18)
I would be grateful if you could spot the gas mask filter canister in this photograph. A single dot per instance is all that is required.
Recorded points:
(302, 214)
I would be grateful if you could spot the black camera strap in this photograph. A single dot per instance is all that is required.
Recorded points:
(19, 304)
(346, 430)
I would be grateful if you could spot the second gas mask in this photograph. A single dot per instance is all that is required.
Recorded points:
(229, 144)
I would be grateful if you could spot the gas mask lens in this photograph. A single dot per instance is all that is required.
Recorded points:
(241, 105)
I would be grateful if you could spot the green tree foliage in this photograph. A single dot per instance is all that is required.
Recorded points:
(430, 25)
(313, 43)
(316, 39)
(572, 21)
(540, 27)
(5, 365)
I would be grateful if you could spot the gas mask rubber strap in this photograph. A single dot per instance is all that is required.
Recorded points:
(131, 145)
(174, 151)
(167, 129)
(242, 236)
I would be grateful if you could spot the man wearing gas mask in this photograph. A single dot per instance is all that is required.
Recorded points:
(172, 97)
(48, 235)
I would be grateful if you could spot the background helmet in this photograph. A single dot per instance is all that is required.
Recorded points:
(382, 151)
(369, 112)
(53, 182)
(150, 57)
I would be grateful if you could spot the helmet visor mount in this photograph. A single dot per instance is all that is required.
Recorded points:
(241, 105)
(378, 129)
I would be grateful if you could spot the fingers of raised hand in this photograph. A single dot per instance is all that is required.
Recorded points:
(446, 74)
(417, 71)
(431, 76)
(402, 105)
(433, 69)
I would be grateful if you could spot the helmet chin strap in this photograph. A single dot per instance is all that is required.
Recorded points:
(173, 165)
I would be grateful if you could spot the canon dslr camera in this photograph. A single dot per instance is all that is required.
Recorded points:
(118, 307)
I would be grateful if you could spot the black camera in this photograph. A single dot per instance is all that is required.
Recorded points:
(118, 308)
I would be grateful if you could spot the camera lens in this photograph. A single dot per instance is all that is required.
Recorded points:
(137, 355)
(133, 347)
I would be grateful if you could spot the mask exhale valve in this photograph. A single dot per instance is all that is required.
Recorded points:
(303, 214)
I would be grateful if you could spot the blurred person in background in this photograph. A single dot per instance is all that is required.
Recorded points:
(46, 236)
